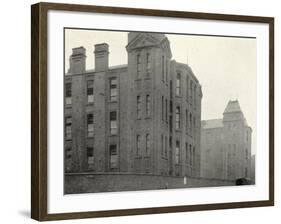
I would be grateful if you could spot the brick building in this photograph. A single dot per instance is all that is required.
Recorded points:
(226, 145)
(142, 117)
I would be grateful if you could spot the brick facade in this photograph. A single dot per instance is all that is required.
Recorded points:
(226, 145)
(143, 117)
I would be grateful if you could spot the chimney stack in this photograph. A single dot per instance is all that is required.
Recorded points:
(77, 61)
(101, 57)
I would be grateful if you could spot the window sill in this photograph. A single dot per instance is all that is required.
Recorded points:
(147, 118)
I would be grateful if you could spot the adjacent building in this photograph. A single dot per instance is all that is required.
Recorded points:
(143, 117)
(226, 145)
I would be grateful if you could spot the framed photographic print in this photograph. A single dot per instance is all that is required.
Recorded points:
(140, 111)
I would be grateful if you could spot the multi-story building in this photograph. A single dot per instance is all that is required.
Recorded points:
(226, 145)
(142, 117)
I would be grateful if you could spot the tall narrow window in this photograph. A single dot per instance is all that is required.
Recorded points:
(186, 120)
(191, 91)
(113, 122)
(148, 64)
(167, 71)
(163, 68)
(147, 144)
(68, 157)
(194, 125)
(162, 145)
(138, 107)
(90, 91)
(177, 117)
(193, 156)
(162, 108)
(113, 156)
(138, 146)
(166, 110)
(166, 146)
(90, 158)
(113, 89)
(194, 95)
(177, 156)
(68, 93)
(190, 122)
(68, 128)
(178, 84)
(186, 152)
(90, 125)
(247, 154)
(190, 155)
(138, 66)
(187, 87)
(148, 105)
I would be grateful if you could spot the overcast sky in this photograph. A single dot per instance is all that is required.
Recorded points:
(224, 66)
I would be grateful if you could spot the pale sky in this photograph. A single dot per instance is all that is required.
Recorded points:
(224, 66)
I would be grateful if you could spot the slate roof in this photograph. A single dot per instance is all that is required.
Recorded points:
(232, 106)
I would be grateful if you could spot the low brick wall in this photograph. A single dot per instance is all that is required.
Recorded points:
(89, 183)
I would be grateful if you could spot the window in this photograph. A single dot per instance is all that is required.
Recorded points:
(190, 122)
(148, 63)
(177, 157)
(178, 84)
(90, 158)
(166, 109)
(186, 152)
(193, 156)
(190, 155)
(187, 88)
(186, 120)
(147, 144)
(68, 93)
(138, 66)
(166, 146)
(162, 145)
(167, 71)
(163, 68)
(138, 107)
(247, 154)
(194, 126)
(194, 95)
(177, 117)
(113, 156)
(68, 156)
(148, 105)
(90, 91)
(113, 89)
(90, 125)
(191, 91)
(113, 122)
(162, 106)
(138, 145)
(246, 172)
(68, 128)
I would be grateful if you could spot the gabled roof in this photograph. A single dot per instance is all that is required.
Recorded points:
(213, 123)
(232, 106)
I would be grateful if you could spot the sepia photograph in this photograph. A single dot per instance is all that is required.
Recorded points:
(158, 111)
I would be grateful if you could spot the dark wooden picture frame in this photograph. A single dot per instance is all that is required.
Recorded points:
(39, 106)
